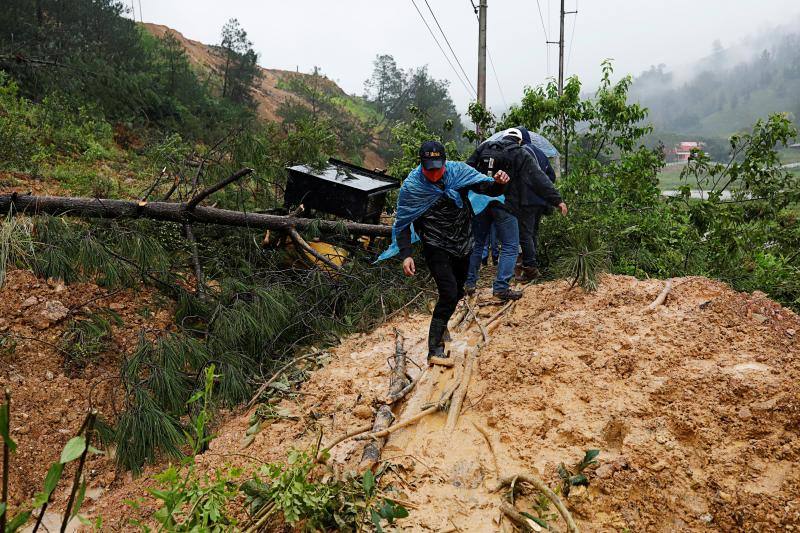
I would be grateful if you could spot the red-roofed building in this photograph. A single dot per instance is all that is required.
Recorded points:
(683, 150)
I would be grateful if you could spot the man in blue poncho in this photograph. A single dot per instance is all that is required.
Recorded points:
(439, 198)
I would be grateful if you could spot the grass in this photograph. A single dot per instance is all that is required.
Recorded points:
(789, 155)
(358, 107)
(669, 179)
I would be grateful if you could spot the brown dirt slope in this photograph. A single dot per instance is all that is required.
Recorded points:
(268, 94)
(50, 398)
(695, 408)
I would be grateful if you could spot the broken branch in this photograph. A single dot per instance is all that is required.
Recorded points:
(511, 512)
(205, 193)
(372, 452)
(300, 242)
(342, 438)
(388, 431)
(543, 488)
(461, 391)
(442, 361)
(275, 376)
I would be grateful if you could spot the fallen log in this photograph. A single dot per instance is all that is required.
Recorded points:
(26, 204)
(398, 382)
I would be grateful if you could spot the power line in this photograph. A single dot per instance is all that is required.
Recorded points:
(442, 50)
(572, 38)
(546, 36)
(491, 62)
(448, 44)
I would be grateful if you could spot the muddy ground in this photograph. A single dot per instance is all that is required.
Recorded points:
(695, 408)
(51, 394)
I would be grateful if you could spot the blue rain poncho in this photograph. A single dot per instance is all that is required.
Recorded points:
(417, 195)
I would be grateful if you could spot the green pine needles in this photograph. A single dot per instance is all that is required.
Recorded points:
(259, 308)
(585, 258)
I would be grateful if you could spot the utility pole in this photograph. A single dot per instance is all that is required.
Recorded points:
(561, 53)
(560, 44)
(482, 53)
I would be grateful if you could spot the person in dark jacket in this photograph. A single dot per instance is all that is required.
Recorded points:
(533, 209)
(435, 198)
(525, 175)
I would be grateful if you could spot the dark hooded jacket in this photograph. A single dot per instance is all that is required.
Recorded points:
(526, 177)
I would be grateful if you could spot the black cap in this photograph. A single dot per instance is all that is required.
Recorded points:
(431, 155)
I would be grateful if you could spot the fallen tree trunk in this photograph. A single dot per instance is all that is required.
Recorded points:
(384, 416)
(182, 213)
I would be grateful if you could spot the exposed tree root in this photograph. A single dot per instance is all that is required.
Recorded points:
(442, 361)
(660, 299)
(512, 514)
(485, 433)
(461, 391)
(542, 487)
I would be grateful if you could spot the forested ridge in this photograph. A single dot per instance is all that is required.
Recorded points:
(727, 90)
(150, 271)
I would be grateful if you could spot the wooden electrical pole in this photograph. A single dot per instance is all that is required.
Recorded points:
(482, 53)
(561, 53)
(560, 43)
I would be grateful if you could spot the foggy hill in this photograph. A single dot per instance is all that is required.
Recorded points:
(727, 90)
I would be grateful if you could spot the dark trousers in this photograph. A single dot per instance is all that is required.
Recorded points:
(449, 272)
(529, 219)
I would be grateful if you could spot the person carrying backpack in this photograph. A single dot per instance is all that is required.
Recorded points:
(438, 198)
(508, 155)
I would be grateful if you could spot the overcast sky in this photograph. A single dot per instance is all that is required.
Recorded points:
(343, 37)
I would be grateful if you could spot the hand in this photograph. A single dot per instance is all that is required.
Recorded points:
(563, 208)
(501, 177)
(409, 269)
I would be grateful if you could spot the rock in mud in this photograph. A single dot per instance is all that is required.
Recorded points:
(54, 311)
(466, 474)
(363, 412)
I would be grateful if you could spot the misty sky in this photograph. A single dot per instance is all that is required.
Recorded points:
(343, 37)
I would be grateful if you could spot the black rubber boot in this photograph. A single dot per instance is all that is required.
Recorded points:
(435, 338)
(446, 336)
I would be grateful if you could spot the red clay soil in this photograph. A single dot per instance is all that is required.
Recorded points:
(49, 398)
(695, 408)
